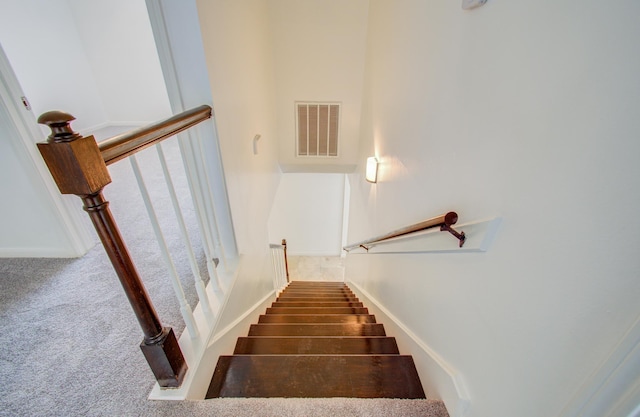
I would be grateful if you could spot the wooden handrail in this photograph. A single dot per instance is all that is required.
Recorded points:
(126, 144)
(444, 221)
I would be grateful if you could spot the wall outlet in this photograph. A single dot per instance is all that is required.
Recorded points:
(472, 4)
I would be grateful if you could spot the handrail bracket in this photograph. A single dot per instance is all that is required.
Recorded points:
(460, 236)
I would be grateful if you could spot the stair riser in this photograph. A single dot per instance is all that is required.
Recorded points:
(366, 329)
(316, 346)
(316, 318)
(330, 299)
(314, 304)
(317, 284)
(317, 310)
(315, 294)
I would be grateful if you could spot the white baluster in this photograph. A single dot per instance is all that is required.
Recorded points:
(201, 214)
(199, 284)
(185, 309)
(208, 196)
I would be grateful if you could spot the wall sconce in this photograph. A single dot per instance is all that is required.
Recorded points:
(372, 169)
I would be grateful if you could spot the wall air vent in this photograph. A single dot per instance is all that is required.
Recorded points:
(317, 127)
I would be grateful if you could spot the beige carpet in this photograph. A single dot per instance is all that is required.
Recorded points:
(308, 407)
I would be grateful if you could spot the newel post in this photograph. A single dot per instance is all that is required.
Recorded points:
(77, 166)
(286, 262)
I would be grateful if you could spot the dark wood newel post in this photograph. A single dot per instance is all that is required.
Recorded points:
(77, 166)
(286, 262)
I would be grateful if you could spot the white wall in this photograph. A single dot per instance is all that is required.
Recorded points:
(27, 228)
(308, 213)
(236, 45)
(526, 110)
(93, 59)
(319, 48)
(36, 221)
(43, 45)
(117, 40)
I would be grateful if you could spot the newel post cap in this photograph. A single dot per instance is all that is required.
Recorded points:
(60, 124)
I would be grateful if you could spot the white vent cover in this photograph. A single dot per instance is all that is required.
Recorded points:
(317, 126)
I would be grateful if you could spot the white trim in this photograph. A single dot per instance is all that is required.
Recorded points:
(204, 170)
(36, 252)
(234, 324)
(613, 389)
(447, 384)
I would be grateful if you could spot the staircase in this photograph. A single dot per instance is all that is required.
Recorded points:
(317, 340)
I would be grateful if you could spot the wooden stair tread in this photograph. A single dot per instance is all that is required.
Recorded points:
(310, 376)
(311, 298)
(316, 345)
(316, 340)
(316, 304)
(317, 318)
(316, 288)
(317, 310)
(317, 329)
(317, 284)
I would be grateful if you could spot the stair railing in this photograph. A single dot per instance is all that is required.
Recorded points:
(444, 222)
(79, 166)
(280, 265)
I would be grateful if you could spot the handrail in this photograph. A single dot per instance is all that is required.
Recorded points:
(126, 144)
(444, 221)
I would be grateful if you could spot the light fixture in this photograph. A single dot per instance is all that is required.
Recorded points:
(372, 169)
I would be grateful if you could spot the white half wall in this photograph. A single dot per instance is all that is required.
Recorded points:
(308, 212)
(236, 42)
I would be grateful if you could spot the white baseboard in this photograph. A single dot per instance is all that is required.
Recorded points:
(37, 253)
(439, 379)
(613, 389)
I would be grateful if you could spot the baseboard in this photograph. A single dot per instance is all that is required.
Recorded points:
(613, 389)
(37, 253)
(439, 379)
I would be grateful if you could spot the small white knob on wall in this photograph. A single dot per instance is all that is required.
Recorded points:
(255, 144)
(472, 4)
